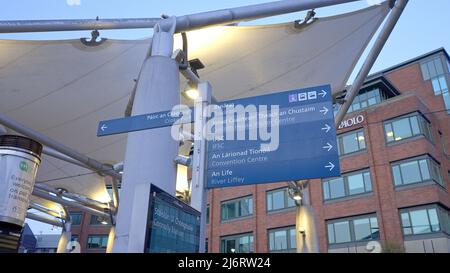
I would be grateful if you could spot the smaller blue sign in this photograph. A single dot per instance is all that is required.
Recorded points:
(138, 123)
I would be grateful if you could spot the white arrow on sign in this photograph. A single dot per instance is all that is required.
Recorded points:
(103, 127)
(330, 166)
(327, 128)
(328, 147)
(324, 110)
(323, 93)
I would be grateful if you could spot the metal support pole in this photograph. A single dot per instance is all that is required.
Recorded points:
(149, 154)
(43, 219)
(184, 23)
(78, 198)
(386, 31)
(45, 195)
(51, 152)
(199, 195)
(307, 238)
(66, 236)
(44, 140)
(45, 210)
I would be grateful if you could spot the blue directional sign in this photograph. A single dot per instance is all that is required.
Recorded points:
(307, 146)
(138, 123)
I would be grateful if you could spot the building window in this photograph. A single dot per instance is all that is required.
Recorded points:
(75, 238)
(351, 142)
(366, 99)
(109, 189)
(237, 208)
(207, 214)
(95, 220)
(279, 199)
(347, 185)
(354, 229)
(417, 170)
(97, 241)
(406, 127)
(283, 240)
(424, 220)
(75, 218)
(237, 244)
(432, 68)
(439, 85)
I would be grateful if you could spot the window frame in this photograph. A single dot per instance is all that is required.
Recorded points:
(233, 201)
(76, 213)
(417, 159)
(366, 99)
(285, 201)
(439, 211)
(289, 248)
(424, 132)
(351, 224)
(236, 237)
(340, 143)
(102, 236)
(346, 186)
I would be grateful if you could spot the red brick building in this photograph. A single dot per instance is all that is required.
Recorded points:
(395, 160)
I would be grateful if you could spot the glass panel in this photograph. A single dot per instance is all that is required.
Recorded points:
(397, 176)
(374, 228)
(362, 229)
(443, 83)
(355, 184)
(406, 224)
(326, 190)
(278, 200)
(331, 239)
(337, 189)
(434, 220)
(424, 169)
(367, 181)
(292, 238)
(446, 97)
(271, 241)
(389, 132)
(436, 172)
(75, 218)
(350, 143)
(415, 125)
(342, 232)
(280, 240)
(426, 74)
(361, 140)
(402, 129)
(419, 220)
(230, 246)
(244, 244)
(410, 172)
(439, 67)
(290, 201)
(436, 86)
(246, 207)
(432, 69)
(269, 201)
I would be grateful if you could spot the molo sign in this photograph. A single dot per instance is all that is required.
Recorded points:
(351, 122)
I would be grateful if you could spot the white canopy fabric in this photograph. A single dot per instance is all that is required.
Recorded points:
(64, 88)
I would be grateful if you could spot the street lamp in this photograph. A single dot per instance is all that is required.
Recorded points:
(191, 93)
